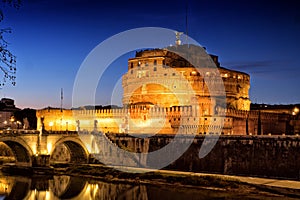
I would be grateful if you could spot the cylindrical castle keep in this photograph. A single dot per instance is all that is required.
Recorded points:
(163, 78)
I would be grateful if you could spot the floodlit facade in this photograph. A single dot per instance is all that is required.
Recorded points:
(171, 91)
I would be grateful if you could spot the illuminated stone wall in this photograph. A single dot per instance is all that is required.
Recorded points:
(56, 119)
(150, 119)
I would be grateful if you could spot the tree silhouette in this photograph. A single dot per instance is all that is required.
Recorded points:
(7, 59)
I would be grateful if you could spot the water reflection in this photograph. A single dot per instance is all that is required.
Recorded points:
(69, 187)
(66, 187)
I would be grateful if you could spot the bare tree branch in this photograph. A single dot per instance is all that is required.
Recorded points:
(7, 59)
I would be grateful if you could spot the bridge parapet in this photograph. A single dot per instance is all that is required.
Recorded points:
(19, 131)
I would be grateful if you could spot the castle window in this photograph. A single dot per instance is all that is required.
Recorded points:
(154, 69)
(131, 71)
(173, 74)
(139, 74)
(131, 65)
(139, 63)
(165, 74)
(155, 62)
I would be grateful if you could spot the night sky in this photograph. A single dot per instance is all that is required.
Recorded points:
(52, 38)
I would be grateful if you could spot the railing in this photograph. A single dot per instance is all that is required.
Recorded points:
(24, 132)
(19, 131)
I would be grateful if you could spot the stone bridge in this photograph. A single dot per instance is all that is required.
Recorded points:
(34, 148)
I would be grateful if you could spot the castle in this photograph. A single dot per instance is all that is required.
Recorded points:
(165, 93)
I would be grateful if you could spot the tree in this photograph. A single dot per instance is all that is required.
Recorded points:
(7, 59)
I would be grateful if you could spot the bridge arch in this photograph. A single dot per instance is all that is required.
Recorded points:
(22, 152)
(78, 151)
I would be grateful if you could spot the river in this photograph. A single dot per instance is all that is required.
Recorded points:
(72, 187)
(67, 187)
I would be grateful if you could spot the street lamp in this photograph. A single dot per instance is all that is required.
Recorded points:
(18, 124)
(12, 119)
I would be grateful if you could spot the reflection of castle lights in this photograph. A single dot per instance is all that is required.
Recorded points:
(4, 187)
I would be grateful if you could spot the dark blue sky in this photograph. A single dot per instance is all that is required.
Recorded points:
(52, 38)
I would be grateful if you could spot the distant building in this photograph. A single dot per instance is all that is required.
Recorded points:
(7, 110)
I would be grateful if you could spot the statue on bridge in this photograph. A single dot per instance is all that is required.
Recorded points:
(77, 125)
(95, 125)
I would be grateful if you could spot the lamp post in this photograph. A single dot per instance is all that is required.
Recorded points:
(295, 113)
(12, 119)
(18, 124)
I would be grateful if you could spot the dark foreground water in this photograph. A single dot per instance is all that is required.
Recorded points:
(67, 187)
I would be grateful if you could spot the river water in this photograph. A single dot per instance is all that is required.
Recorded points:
(79, 188)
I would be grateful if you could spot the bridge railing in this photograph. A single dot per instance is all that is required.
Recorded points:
(19, 131)
(60, 132)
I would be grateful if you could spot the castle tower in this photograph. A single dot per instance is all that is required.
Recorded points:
(161, 77)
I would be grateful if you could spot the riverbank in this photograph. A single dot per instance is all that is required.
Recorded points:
(233, 187)
(237, 186)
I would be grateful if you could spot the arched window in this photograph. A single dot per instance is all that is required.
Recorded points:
(131, 65)
(155, 62)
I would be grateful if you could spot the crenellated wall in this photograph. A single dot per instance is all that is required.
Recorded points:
(150, 119)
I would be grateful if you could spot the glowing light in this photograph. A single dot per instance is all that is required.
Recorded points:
(48, 196)
(295, 111)
(49, 148)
